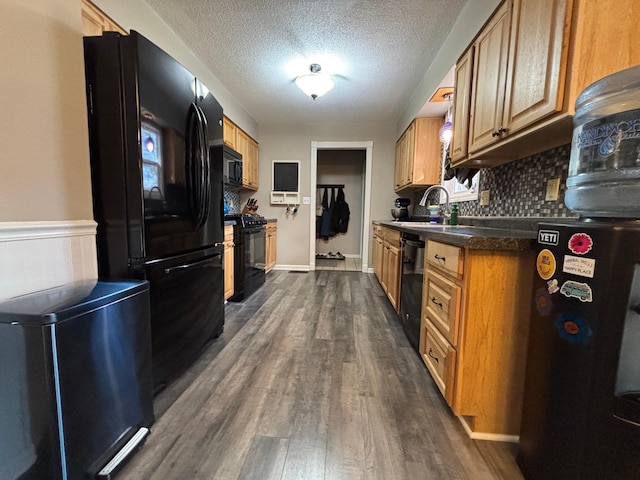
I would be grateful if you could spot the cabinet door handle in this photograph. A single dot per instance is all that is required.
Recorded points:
(433, 299)
(430, 353)
(500, 131)
(438, 257)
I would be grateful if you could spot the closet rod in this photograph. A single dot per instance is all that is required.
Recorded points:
(330, 185)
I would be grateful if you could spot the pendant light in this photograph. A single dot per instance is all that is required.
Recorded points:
(314, 84)
(446, 130)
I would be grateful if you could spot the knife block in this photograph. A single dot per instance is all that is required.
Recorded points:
(250, 211)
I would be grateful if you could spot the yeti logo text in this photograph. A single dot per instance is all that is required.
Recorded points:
(548, 237)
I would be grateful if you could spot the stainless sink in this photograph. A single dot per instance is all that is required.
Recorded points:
(419, 224)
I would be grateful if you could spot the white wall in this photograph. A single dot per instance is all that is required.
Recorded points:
(47, 232)
(44, 152)
(293, 142)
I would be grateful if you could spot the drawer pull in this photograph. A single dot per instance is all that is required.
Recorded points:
(430, 353)
(438, 257)
(433, 300)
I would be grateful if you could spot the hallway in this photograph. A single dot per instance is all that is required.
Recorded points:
(312, 379)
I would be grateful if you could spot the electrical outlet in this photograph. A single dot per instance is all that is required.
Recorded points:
(553, 185)
(484, 197)
(306, 200)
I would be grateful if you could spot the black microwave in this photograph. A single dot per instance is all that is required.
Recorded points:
(232, 164)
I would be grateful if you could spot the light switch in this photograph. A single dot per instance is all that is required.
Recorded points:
(553, 186)
(484, 197)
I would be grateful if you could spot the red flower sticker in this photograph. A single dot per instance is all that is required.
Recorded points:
(580, 243)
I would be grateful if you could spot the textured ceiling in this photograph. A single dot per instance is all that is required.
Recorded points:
(377, 50)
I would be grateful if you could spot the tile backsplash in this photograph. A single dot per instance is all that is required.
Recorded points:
(517, 189)
(232, 199)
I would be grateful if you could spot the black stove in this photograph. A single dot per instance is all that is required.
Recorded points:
(249, 237)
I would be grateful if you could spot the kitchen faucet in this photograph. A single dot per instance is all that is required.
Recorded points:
(447, 210)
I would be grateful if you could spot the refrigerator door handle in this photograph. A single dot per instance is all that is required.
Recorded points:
(189, 266)
(190, 166)
(205, 162)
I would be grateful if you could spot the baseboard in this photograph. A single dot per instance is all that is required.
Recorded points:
(40, 255)
(295, 268)
(494, 437)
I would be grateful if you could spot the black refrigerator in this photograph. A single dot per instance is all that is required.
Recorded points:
(581, 410)
(154, 132)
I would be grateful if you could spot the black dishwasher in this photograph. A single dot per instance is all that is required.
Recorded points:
(411, 286)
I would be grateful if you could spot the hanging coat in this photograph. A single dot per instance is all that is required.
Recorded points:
(340, 214)
(325, 220)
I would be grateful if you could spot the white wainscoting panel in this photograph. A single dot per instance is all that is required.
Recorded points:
(39, 255)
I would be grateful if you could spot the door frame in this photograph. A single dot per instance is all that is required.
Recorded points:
(368, 148)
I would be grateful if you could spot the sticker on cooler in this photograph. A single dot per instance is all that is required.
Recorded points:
(578, 290)
(548, 237)
(580, 243)
(546, 264)
(583, 267)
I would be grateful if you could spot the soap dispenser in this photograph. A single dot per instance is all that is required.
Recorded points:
(454, 214)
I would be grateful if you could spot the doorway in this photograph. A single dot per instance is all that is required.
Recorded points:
(360, 225)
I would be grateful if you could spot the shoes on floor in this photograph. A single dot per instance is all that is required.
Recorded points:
(330, 255)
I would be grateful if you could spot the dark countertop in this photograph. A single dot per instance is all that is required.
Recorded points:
(477, 233)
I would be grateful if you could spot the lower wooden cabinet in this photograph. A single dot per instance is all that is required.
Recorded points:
(474, 330)
(387, 261)
(271, 245)
(228, 261)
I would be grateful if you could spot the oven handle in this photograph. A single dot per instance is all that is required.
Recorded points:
(189, 266)
(254, 229)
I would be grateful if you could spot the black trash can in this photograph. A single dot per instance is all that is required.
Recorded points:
(75, 379)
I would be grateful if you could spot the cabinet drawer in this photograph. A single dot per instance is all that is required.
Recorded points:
(442, 302)
(447, 257)
(392, 236)
(439, 357)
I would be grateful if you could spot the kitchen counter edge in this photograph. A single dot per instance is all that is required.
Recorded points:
(469, 236)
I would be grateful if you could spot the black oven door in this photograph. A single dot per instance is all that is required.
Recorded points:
(254, 258)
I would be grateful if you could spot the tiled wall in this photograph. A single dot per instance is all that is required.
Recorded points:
(517, 189)
(232, 199)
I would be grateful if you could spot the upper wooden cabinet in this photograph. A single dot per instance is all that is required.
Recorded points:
(237, 139)
(461, 103)
(95, 21)
(530, 62)
(418, 154)
(229, 131)
(489, 80)
(248, 147)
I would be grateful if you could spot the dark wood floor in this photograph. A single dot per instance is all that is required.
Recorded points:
(312, 379)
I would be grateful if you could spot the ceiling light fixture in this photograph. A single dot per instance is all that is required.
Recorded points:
(314, 84)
